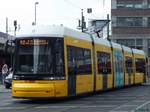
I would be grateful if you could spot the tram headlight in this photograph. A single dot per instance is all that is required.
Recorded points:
(53, 78)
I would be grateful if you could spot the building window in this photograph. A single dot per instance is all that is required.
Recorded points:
(148, 52)
(148, 47)
(138, 6)
(148, 22)
(139, 44)
(121, 41)
(148, 4)
(129, 21)
(149, 42)
(120, 6)
(127, 42)
(130, 42)
(129, 4)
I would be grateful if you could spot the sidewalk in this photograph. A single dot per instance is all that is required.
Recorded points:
(3, 89)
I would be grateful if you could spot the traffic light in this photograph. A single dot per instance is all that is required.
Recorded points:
(15, 24)
(89, 10)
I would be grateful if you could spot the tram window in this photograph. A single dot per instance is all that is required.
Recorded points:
(26, 59)
(104, 63)
(129, 65)
(59, 61)
(79, 60)
(83, 60)
(140, 65)
(71, 59)
(45, 58)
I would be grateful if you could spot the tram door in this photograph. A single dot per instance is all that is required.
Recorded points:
(71, 71)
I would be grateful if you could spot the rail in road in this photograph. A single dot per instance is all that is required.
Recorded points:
(132, 99)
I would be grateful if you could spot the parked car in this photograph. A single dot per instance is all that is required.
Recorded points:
(8, 80)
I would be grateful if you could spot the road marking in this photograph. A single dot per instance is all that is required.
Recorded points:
(76, 106)
(118, 107)
(12, 108)
(144, 104)
(139, 101)
(118, 111)
(4, 104)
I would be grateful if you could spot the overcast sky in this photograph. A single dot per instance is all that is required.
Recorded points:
(49, 12)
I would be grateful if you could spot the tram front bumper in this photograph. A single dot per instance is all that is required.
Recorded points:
(32, 90)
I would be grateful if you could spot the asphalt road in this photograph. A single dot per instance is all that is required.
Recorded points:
(132, 99)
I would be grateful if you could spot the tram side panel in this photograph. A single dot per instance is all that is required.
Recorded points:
(139, 65)
(118, 68)
(104, 76)
(128, 66)
(79, 67)
(129, 74)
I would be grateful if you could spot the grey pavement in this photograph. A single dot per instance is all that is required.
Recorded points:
(3, 90)
(130, 99)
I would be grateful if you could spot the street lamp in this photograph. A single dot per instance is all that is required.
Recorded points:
(36, 3)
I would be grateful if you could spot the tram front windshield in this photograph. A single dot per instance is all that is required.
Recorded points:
(39, 57)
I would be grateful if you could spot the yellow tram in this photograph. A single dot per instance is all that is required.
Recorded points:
(54, 61)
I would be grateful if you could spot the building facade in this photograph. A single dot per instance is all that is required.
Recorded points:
(131, 23)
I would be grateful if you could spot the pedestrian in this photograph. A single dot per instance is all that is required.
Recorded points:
(4, 72)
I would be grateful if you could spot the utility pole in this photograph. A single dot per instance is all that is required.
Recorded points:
(36, 3)
(108, 27)
(83, 23)
(7, 26)
(15, 27)
(82, 20)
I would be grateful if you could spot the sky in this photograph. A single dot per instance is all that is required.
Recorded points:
(50, 12)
